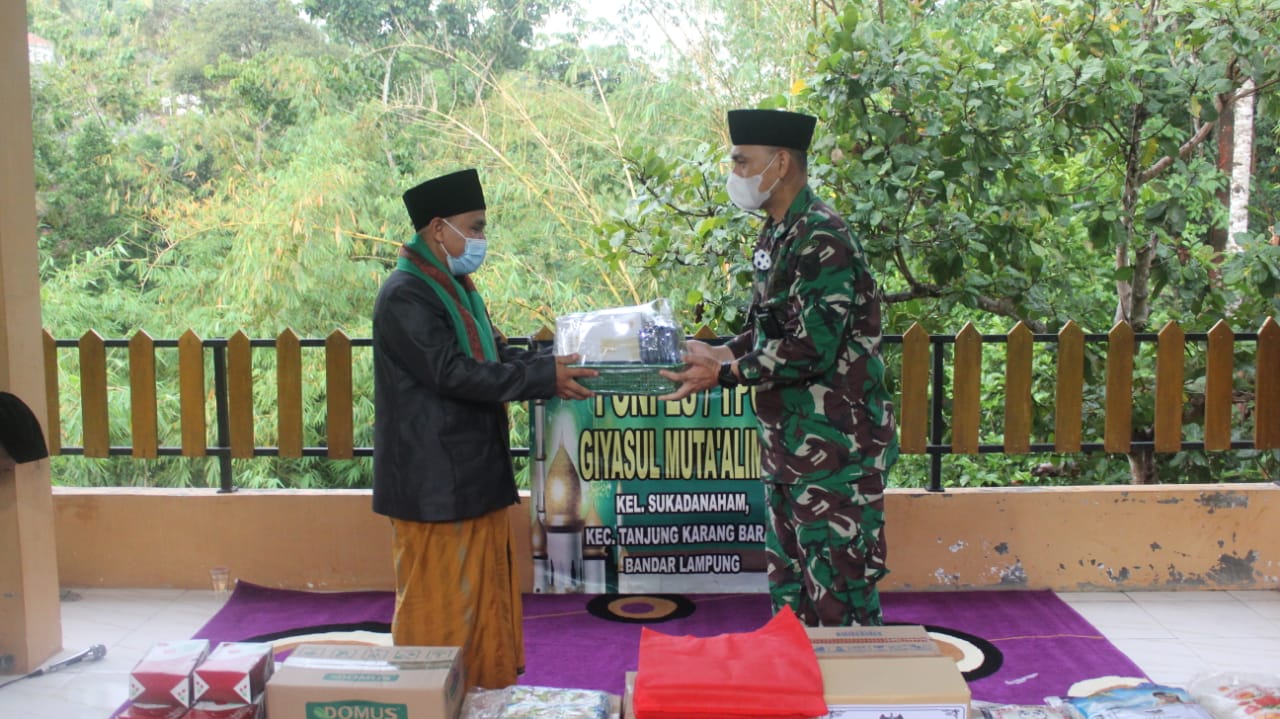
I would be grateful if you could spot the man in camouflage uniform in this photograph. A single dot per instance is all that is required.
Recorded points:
(812, 351)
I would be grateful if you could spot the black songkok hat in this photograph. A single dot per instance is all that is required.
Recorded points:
(775, 128)
(444, 196)
(20, 434)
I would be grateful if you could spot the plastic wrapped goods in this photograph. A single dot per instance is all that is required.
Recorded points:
(1237, 695)
(522, 702)
(981, 710)
(1145, 701)
(626, 345)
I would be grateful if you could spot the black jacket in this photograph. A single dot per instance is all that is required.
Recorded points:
(441, 448)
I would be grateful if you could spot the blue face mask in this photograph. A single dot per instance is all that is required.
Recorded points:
(472, 254)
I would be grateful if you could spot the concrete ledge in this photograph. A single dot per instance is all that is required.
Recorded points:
(1108, 538)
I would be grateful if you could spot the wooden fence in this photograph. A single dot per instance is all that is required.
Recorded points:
(928, 386)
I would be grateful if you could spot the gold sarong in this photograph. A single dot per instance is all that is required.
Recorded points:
(456, 586)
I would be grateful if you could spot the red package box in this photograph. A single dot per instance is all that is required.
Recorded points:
(214, 710)
(234, 673)
(152, 711)
(163, 676)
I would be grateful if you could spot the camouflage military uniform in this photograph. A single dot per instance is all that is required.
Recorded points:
(827, 432)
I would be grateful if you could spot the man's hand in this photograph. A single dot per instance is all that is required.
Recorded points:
(702, 373)
(567, 386)
(719, 353)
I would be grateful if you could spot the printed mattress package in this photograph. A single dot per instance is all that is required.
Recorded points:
(898, 671)
(331, 680)
(890, 641)
(626, 345)
(628, 696)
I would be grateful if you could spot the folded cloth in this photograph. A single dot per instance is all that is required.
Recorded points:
(771, 672)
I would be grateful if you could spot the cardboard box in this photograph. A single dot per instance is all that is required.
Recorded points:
(903, 687)
(152, 711)
(628, 693)
(365, 681)
(234, 673)
(216, 710)
(163, 676)
(881, 672)
(893, 641)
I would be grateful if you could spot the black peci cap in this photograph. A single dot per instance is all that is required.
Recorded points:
(444, 196)
(775, 128)
(20, 434)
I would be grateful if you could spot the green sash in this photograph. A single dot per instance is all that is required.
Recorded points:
(459, 295)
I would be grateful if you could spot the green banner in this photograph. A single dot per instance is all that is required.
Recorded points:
(634, 495)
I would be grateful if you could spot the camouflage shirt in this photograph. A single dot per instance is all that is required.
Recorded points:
(812, 349)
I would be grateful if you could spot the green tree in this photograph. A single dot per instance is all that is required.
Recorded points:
(86, 110)
(1063, 125)
(997, 159)
(500, 29)
(217, 31)
(981, 151)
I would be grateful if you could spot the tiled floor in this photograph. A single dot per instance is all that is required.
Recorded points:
(127, 622)
(1176, 636)
(1172, 636)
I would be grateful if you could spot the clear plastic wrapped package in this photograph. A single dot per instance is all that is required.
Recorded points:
(523, 702)
(1238, 695)
(989, 710)
(626, 345)
(1144, 701)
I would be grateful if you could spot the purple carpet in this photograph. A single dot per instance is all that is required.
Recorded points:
(1018, 646)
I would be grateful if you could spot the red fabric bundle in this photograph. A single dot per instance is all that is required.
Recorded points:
(771, 672)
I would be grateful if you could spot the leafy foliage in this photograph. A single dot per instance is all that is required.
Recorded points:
(226, 165)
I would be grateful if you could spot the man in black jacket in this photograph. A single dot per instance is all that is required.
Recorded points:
(442, 462)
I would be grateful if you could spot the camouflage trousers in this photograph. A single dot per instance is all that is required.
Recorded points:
(825, 548)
